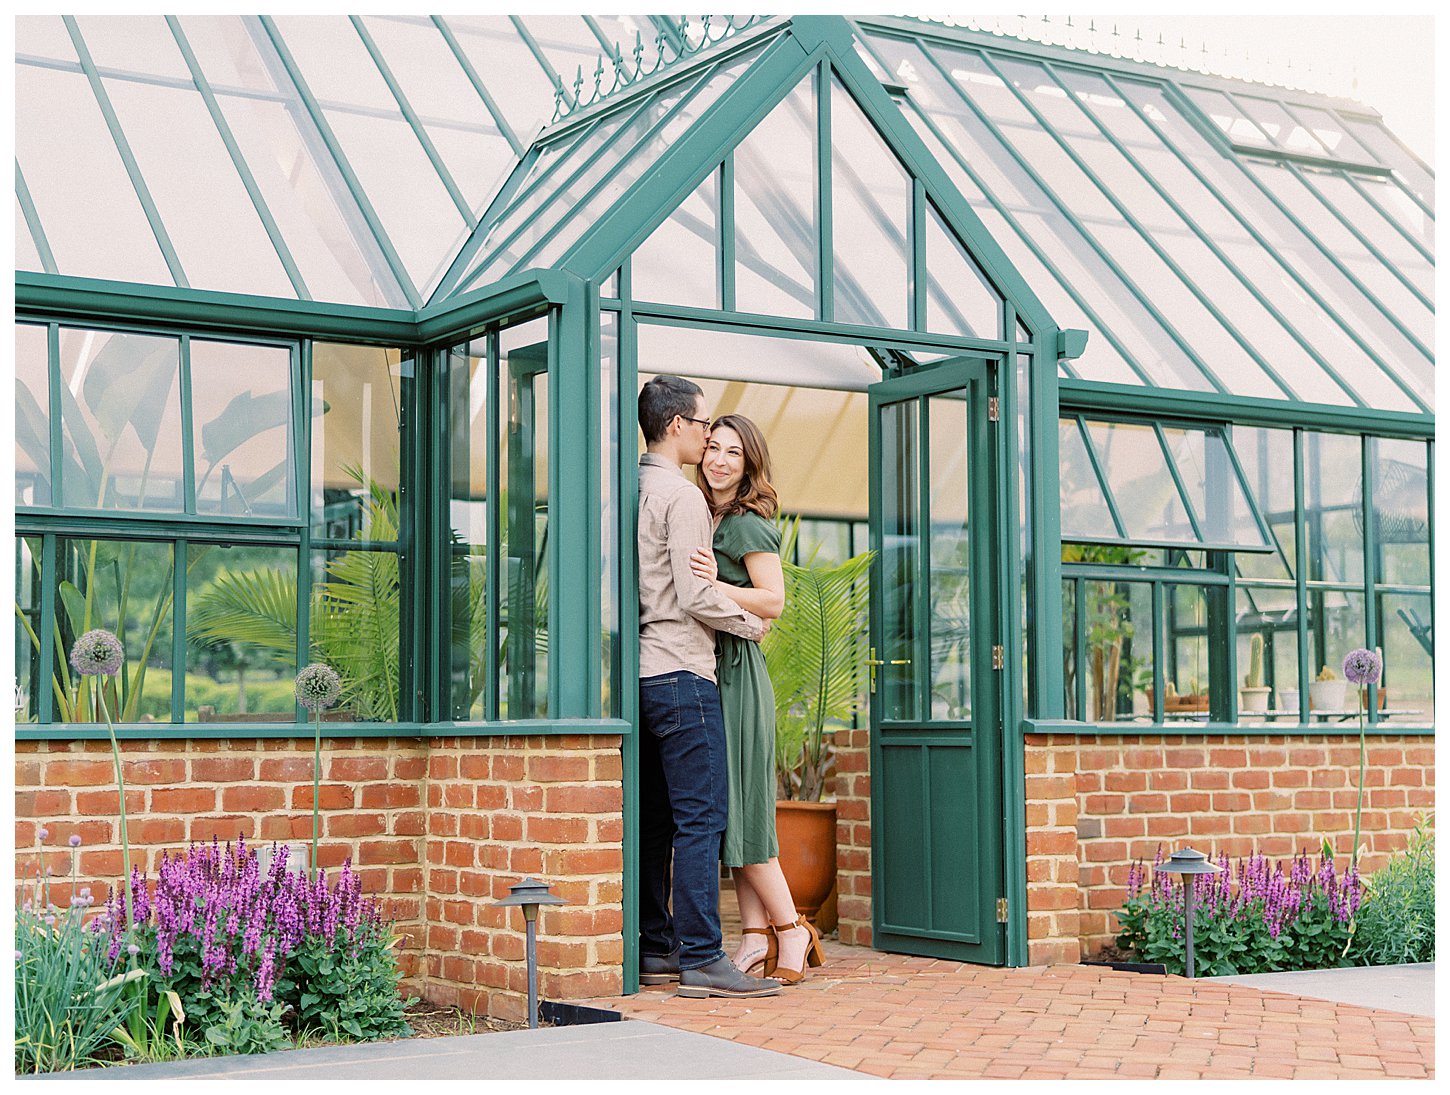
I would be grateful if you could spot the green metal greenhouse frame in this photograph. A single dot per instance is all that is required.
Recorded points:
(1046, 373)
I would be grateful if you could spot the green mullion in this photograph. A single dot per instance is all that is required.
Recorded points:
(611, 49)
(180, 557)
(32, 221)
(123, 147)
(1098, 572)
(244, 172)
(444, 175)
(595, 580)
(1405, 233)
(417, 651)
(726, 251)
(332, 731)
(1045, 562)
(921, 594)
(573, 551)
(129, 526)
(1208, 241)
(539, 56)
(1148, 237)
(1079, 644)
(54, 413)
(45, 710)
(1276, 253)
(916, 288)
(1328, 254)
(1348, 223)
(302, 407)
(324, 130)
(579, 169)
(463, 261)
(626, 501)
(436, 488)
(1301, 578)
(825, 247)
(188, 442)
(1178, 482)
(604, 182)
(478, 85)
(1371, 569)
(493, 522)
(1063, 281)
(1159, 628)
(1092, 452)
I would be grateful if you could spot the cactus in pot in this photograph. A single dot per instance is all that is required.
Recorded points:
(1254, 696)
(1326, 692)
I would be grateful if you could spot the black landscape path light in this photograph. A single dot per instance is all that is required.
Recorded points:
(1187, 862)
(529, 895)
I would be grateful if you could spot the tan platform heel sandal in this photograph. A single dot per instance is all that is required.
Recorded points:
(815, 955)
(771, 949)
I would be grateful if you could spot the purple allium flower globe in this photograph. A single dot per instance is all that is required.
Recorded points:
(75, 840)
(1362, 667)
(42, 833)
(97, 653)
(318, 687)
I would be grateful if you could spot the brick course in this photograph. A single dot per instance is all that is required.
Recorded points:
(438, 829)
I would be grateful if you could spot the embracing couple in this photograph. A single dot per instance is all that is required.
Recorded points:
(709, 583)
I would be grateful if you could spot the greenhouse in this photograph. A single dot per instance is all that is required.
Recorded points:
(328, 336)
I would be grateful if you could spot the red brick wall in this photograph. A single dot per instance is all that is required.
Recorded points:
(1237, 795)
(436, 829)
(853, 836)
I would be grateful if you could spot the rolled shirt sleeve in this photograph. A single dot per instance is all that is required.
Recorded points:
(689, 528)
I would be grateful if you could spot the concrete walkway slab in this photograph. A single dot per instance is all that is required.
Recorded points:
(1409, 989)
(596, 1052)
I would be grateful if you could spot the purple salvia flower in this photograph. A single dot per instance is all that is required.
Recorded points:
(97, 653)
(1363, 667)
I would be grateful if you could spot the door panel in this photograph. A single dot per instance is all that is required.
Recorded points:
(935, 732)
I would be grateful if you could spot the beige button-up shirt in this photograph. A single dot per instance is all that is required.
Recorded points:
(679, 612)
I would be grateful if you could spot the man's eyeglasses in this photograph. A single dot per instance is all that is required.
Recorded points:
(702, 421)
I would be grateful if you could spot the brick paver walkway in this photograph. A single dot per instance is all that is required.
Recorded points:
(920, 1018)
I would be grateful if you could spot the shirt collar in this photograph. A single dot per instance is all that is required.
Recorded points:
(656, 461)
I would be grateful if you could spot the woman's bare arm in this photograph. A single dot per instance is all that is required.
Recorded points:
(765, 597)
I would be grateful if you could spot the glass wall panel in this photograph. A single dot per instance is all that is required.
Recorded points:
(1407, 692)
(870, 220)
(680, 261)
(181, 156)
(949, 583)
(27, 628)
(1115, 651)
(356, 626)
(1336, 626)
(68, 155)
(1192, 652)
(1137, 473)
(524, 474)
(959, 300)
(1333, 493)
(241, 635)
(1212, 487)
(126, 588)
(121, 419)
(470, 649)
(1267, 459)
(775, 210)
(900, 551)
(241, 405)
(356, 400)
(1085, 511)
(32, 416)
(1268, 613)
(1401, 511)
(610, 526)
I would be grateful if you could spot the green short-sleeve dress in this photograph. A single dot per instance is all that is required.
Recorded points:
(748, 701)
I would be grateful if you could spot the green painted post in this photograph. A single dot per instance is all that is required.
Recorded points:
(628, 523)
(45, 710)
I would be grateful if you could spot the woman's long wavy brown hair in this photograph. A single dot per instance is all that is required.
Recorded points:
(755, 493)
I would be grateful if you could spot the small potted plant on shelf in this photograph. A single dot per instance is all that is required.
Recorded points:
(1254, 696)
(1326, 692)
(1193, 700)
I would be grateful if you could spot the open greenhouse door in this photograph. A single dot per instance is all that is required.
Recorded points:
(936, 798)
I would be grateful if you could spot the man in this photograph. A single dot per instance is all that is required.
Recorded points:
(682, 740)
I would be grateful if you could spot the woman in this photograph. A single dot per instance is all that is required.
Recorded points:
(735, 477)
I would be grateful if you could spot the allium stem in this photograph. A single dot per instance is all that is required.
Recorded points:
(121, 801)
(1359, 803)
(316, 783)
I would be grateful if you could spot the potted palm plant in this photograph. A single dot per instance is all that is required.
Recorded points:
(815, 654)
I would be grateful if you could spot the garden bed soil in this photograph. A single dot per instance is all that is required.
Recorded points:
(1115, 957)
(437, 1021)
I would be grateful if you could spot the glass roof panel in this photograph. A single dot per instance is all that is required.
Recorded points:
(680, 261)
(27, 255)
(43, 36)
(776, 266)
(133, 43)
(1372, 135)
(1336, 188)
(870, 221)
(1085, 512)
(87, 206)
(508, 68)
(958, 298)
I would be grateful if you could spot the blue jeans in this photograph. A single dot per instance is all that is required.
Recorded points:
(682, 777)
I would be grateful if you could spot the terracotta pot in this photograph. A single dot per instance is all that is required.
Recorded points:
(806, 832)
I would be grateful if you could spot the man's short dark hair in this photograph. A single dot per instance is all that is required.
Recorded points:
(661, 400)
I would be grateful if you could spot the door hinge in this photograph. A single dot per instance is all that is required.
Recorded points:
(1001, 910)
(999, 658)
(994, 408)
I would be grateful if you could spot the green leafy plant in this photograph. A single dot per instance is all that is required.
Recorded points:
(70, 990)
(350, 993)
(815, 654)
(154, 1031)
(244, 1024)
(1396, 922)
